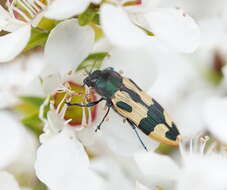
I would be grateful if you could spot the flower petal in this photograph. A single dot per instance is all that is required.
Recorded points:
(12, 85)
(119, 29)
(215, 117)
(174, 29)
(121, 138)
(157, 167)
(111, 169)
(140, 186)
(12, 44)
(136, 63)
(62, 163)
(203, 172)
(7, 22)
(68, 44)
(13, 150)
(60, 10)
(7, 181)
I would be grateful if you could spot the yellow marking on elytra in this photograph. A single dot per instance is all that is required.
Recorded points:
(139, 111)
(144, 96)
(167, 119)
(159, 135)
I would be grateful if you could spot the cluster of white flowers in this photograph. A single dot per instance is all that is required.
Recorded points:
(176, 59)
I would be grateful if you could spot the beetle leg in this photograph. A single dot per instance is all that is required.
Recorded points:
(137, 134)
(98, 127)
(85, 105)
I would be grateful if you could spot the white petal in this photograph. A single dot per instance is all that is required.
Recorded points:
(140, 186)
(143, 7)
(119, 29)
(136, 64)
(62, 9)
(7, 22)
(189, 114)
(215, 117)
(62, 163)
(174, 74)
(68, 44)
(114, 176)
(157, 167)
(12, 44)
(7, 181)
(12, 85)
(51, 83)
(12, 150)
(203, 172)
(174, 29)
(122, 139)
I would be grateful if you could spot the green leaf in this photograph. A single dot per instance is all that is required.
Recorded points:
(29, 105)
(33, 123)
(98, 31)
(47, 24)
(89, 16)
(34, 100)
(94, 61)
(38, 38)
(26, 108)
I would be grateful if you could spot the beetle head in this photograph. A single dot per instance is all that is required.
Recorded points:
(91, 79)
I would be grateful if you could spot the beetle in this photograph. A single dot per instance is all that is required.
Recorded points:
(132, 103)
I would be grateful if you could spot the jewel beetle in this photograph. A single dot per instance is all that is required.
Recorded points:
(132, 103)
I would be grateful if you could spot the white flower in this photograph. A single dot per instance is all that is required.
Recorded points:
(214, 114)
(23, 14)
(113, 173)
(17, 75)
(62, 163)
(18, 147)
(67, 46)
(198, 170)
(173, 29)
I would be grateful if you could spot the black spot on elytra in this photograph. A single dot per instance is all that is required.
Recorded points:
(133, 95)
(124, 106)
(172, 133)
(154, 117)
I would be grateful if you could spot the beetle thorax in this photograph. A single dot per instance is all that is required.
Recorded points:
(105, 82)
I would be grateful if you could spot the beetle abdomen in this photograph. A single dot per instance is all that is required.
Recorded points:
(133, 103)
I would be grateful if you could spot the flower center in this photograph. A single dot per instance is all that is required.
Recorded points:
(26, 10)
(76, 114)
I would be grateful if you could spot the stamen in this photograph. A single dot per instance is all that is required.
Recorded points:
(25, 9)
(84, 122)
(203, 142)
(42, 5)
(28, 7)
(25, 17)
